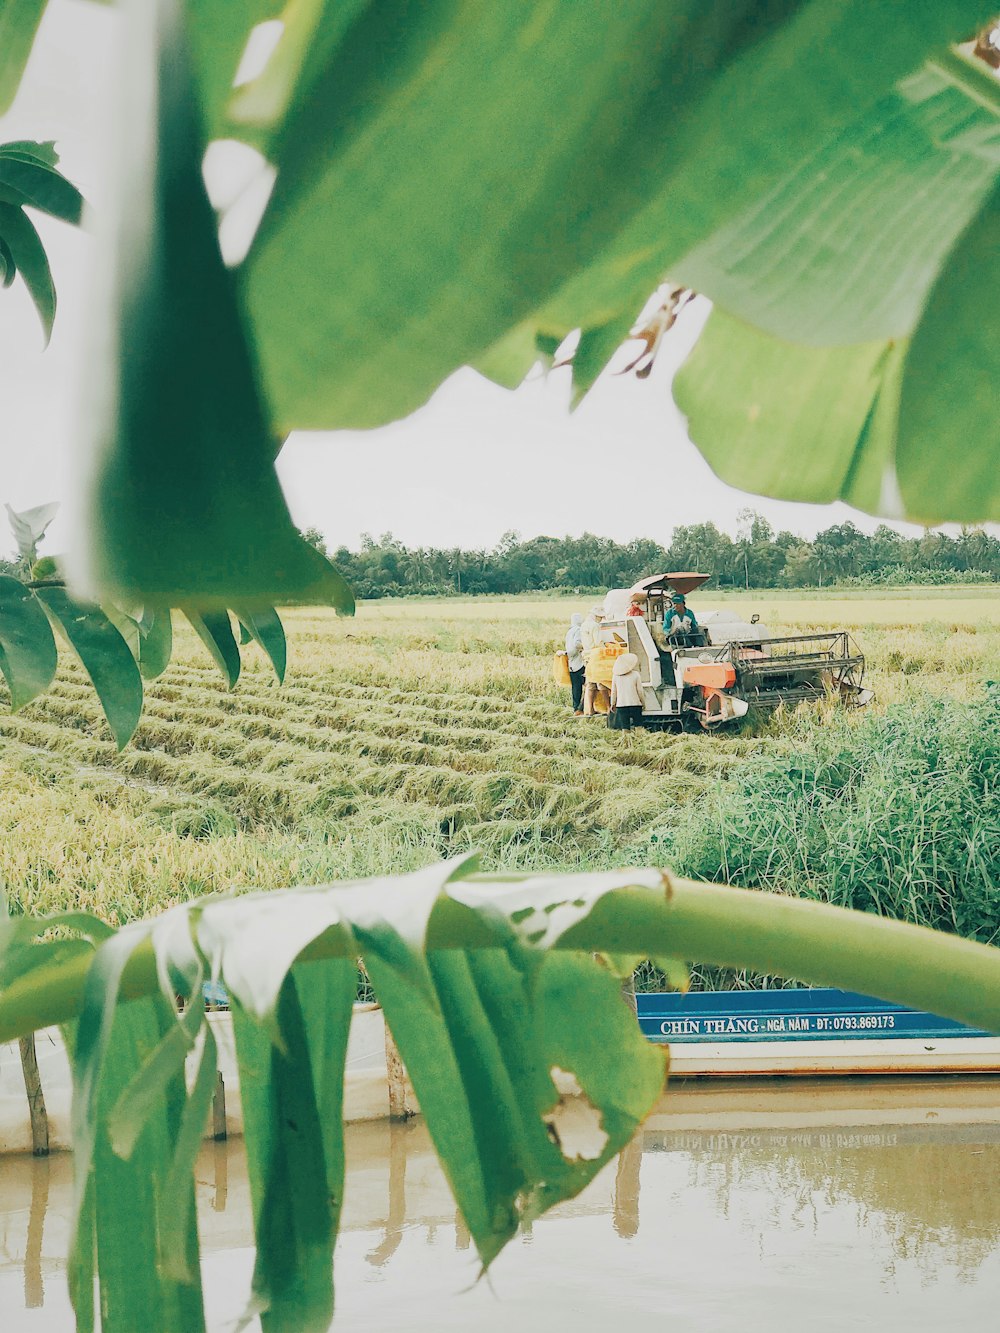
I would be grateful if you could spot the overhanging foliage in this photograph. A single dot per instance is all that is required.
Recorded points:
(29, 179)
(825, 173)
(459, 183)
(118, 650)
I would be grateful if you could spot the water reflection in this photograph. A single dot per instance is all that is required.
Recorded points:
(34, 1286)
(730, 1201)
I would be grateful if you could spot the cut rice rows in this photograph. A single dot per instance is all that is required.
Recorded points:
(415, 731)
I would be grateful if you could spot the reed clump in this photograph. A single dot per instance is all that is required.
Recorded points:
(896, 813)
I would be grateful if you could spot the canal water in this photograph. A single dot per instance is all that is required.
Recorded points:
(861, 1205)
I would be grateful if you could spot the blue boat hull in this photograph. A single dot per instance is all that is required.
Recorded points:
(797, 1014)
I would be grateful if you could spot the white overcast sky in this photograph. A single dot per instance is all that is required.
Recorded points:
(474, 463)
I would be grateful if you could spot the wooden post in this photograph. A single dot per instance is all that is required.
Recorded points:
(400, 1107)
(36, 1098)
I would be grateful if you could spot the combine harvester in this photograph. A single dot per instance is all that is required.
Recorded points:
(714, 675)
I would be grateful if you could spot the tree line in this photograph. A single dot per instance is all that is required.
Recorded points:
(758, 557)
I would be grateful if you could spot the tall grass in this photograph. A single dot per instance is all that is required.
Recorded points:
(897, 813)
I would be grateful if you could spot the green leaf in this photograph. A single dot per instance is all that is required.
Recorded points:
(92, 1037)
(823, 423)
(312, 31)
(265, 628)
(26, 181)
(675, 972)
(805, 74)
(25, 246)
(296, 1181)
(218, 35)
(132, 1206)
(183, 504)
(23, 954)
(105, 656)
(948, 454)
(7, 266)
(29, 527)
(179, 1231)
(128, 1183)
(19, 20)
(126, 625)
(846, 247)
(28, 657)
(156, 642)
(676, 118)
(480, 1034)
(594, 350)
(483, 1057)
(508, 360)
(253, 944)
(144, 1092)
(326, 997)
(31, 150)
(82, 1259)
(215, 630)
(779, 418)
(620, 965)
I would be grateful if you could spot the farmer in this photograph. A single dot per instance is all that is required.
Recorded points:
(590, 630)
(591, 640)
(574, 655)
(626, 693)
(636, 607)
(679, 618)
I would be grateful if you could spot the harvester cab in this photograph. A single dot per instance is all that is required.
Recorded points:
(712, 676)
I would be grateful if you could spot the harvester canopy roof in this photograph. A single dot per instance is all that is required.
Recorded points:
(683, 582)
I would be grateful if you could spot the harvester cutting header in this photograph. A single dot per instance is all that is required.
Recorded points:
(709, 671)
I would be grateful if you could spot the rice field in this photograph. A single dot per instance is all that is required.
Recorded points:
(417, 730)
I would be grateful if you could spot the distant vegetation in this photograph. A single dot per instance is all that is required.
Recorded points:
(758, 558)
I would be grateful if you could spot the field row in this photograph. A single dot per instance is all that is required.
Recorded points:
(387, 746)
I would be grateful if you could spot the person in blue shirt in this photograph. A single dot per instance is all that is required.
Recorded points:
(679, 618)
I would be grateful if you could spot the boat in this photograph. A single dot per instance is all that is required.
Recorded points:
(808, 1031)
(728, 1034)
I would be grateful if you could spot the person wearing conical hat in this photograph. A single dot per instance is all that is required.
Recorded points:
(626, 694)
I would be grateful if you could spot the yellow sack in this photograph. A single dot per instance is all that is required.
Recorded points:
(560, 668)
(600, 664)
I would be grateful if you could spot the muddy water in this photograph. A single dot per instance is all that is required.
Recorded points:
(781, 1207)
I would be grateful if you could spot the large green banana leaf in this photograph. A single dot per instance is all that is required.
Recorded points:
(462, 184)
